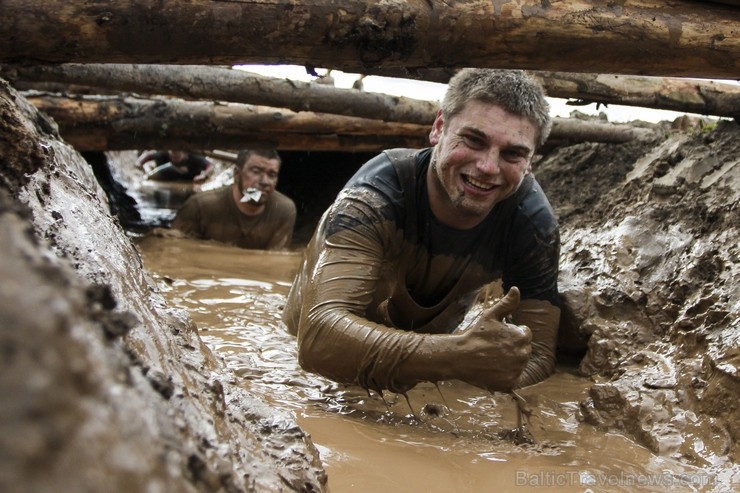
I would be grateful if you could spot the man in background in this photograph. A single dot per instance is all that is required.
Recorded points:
(174, 165)
(250, 213)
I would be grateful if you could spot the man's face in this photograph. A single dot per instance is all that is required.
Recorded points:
(481, 156)
(261, 173)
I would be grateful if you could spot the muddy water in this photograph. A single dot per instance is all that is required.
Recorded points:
(443, 439)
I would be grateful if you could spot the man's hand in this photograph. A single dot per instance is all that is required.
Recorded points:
(491, 353)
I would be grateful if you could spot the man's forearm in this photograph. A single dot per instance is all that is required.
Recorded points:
(351, 349)
(543, 319)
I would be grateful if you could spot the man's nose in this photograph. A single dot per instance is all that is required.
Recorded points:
(489, 162)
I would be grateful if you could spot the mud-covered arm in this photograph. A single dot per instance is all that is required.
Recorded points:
(145, 157)
(533, 267)
(337, 340)
(543, 319)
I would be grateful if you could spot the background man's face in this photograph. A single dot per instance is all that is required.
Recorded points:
(261, 173)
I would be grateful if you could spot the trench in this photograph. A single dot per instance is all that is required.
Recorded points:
(450, 438)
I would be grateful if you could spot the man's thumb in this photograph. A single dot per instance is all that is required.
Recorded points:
(506, 305)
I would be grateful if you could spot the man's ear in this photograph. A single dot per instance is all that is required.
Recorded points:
(436, 133)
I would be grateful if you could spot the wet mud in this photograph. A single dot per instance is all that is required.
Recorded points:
(453, 437)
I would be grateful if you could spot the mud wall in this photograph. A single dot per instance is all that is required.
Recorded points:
(649, 277)
(104, 387)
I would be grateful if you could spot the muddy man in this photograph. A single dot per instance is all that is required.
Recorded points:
(250, 213)
(401, 256)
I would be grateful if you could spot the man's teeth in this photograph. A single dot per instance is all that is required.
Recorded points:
(478, 184)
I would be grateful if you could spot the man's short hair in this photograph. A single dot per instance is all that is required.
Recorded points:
(243, 156)
(513, 90)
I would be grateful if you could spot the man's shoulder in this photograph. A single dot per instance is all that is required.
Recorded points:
(535, 209)
(377, 192)
(209, 197)
(389, 173)
(283, 202)
(376, 171)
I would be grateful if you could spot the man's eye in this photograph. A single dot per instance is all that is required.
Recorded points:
(473, 142)
(513, 156)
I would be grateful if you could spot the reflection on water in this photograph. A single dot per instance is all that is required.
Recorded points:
(371, 443)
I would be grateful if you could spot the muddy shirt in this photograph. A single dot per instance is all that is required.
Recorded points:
(379, 258)
(213, 215)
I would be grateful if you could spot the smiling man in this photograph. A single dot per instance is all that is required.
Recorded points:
(250, 213)
(416, 236)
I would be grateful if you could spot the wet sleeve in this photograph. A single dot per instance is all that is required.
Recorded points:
(533, 268)
(543, 319)
(335, 338)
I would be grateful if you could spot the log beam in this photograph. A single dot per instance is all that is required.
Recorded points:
(213, 83)
(687, 95)
(661, 93)
(236, 86)
(641, 37)
(117, 123)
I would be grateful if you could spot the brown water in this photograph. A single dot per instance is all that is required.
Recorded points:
(447, 440)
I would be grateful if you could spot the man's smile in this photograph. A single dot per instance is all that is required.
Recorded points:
(485, 187)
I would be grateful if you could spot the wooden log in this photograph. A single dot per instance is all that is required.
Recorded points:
(683, 95)
(223, 84)
(181, 116)
(686, 95)
(116, 123)
(642, 37)
(199, 82)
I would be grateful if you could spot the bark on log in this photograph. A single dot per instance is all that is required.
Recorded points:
(597, 36)
(108, 123)
(237, 86)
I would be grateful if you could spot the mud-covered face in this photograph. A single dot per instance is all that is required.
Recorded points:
(261, 173)
(481, 156)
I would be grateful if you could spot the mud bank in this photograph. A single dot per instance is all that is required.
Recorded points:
(106, 388)
(650, 276)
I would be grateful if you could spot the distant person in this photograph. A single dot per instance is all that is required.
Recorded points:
(250, 213)
(175, 165)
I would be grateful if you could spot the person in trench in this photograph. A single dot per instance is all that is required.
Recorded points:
(415, 236)
(250, 213)
(175, 165)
